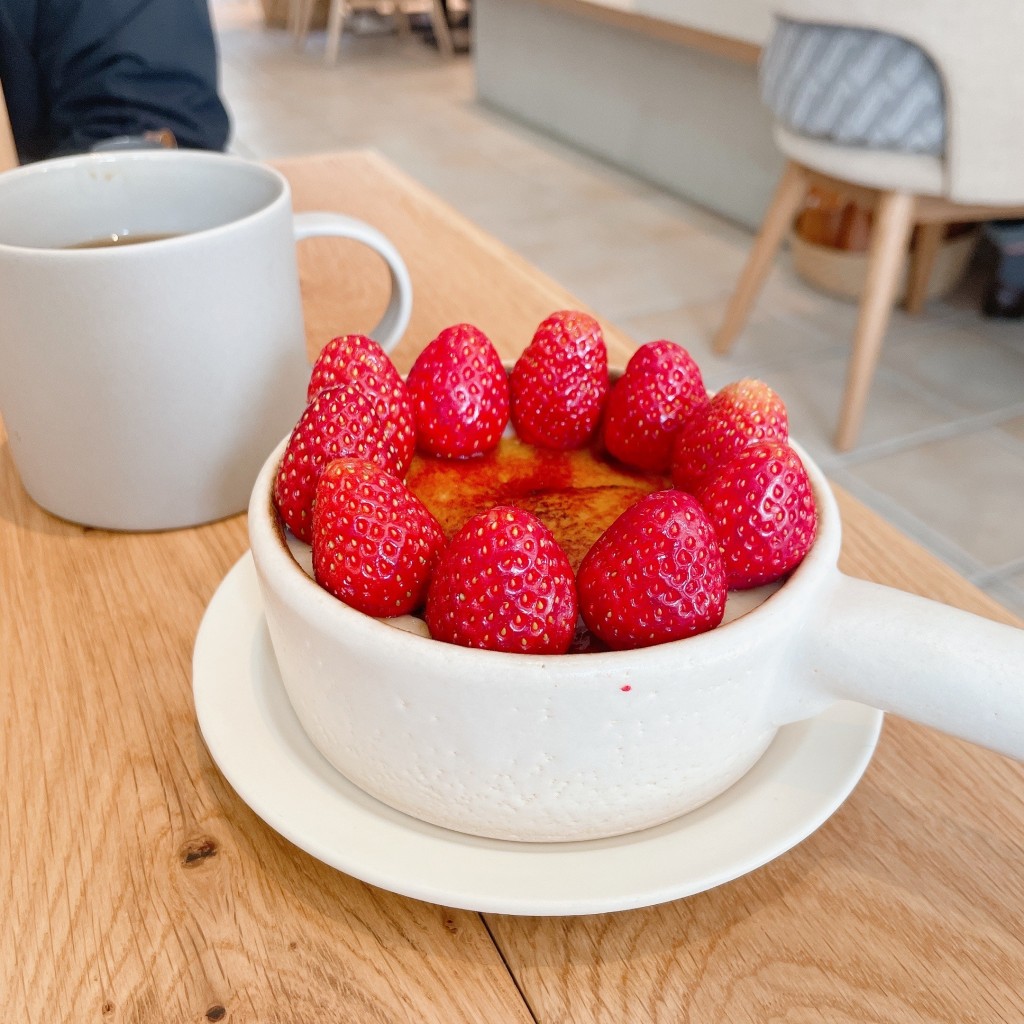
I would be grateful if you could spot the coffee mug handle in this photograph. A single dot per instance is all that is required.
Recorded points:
(922, 660)
(396, 317)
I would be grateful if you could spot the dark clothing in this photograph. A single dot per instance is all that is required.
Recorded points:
(76, 72)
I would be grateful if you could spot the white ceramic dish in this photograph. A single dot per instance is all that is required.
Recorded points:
(256, 740)
(574, 747)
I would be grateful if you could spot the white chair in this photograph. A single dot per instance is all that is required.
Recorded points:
(977, 50)
(300, 18)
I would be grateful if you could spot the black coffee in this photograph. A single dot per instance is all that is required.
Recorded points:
(107, 241)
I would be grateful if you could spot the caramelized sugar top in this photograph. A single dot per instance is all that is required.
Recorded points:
(576, 494)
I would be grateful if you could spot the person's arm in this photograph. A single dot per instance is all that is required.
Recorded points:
(8, 153)
(123, 67)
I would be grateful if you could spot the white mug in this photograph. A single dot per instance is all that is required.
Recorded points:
(141, 385)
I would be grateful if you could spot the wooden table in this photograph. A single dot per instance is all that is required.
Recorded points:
(142, 889)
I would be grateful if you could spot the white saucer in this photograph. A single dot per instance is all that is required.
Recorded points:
(257, 742)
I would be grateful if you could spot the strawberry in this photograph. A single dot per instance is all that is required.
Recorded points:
(360, 361)
(660, 387)
(560, 382)
(742, 412)
(355, 359)
(339, 421)
(459, 392)
(761, 506)
(654, 575)
(375, 545)
(504, 584)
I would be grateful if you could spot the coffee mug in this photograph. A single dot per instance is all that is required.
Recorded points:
(141, 385)
(584, 746)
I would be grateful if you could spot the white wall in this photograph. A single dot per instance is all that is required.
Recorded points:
(748, 20)
(682, 118)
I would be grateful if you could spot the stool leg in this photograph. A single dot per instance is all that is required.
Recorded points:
(922, 259)
(335, 23)
(439, 23)
(300, 17)
(402, 20)
(890, 237)
(778, 219)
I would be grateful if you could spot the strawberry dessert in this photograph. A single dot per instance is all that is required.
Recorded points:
(548, 509)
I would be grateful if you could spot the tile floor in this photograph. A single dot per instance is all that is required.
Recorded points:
(942, 453)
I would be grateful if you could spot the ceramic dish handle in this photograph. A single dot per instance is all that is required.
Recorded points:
(921, 660)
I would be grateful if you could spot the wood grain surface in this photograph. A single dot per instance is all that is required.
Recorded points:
(142, 889)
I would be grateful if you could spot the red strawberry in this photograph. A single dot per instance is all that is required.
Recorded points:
(355, 359)
(742, 412)
(654, 575)
(560, 382)
(375, 545)
(459, 392)
(504, 584)
(661, 386)
(340, 421)
(761, 506)
(358, 360)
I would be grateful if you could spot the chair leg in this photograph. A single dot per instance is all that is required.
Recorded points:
(778, 219)
(922, 259)
(890, 237)
(335, 23)
(443, 35)
(300, 19)
(402, 20)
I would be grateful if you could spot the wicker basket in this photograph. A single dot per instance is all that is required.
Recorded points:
(842, 273)
(275, 14)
